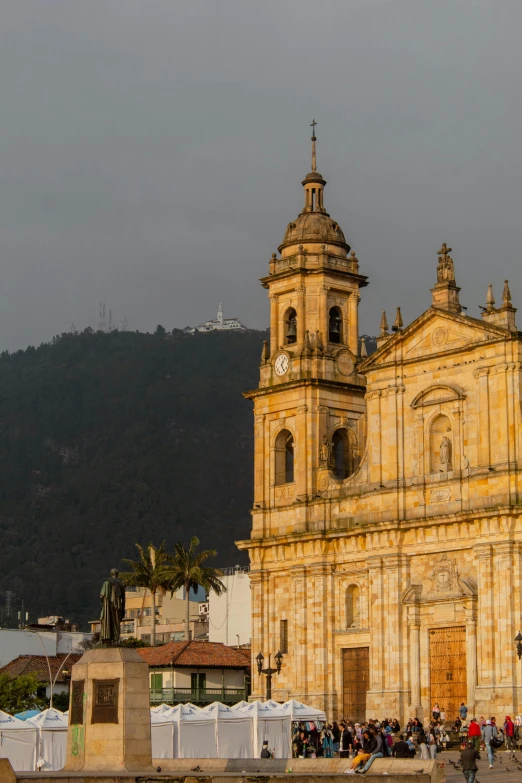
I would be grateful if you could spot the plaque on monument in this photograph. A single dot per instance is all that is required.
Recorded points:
(77, 702)
(105, 701)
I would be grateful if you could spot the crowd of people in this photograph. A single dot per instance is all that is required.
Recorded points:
(362, 743)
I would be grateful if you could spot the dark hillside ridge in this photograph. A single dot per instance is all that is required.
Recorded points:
(112, 439)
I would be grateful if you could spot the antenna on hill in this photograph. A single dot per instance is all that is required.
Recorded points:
(124, 325)
(102, 321)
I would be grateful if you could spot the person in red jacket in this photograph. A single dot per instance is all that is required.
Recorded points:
(509, 729)
(474, 733)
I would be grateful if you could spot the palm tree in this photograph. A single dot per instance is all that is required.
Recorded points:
(186, 570)
(149, 571)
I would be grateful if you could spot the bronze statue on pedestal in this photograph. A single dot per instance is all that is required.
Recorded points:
(113, 609)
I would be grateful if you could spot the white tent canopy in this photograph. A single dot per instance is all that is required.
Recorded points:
(161, 708)
(299, 711)
(196, 734)
(273, 725)
(163, 730)
(233, 731)
(52, 738)
(17, 743)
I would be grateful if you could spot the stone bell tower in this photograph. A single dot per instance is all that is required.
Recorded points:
(309, 407)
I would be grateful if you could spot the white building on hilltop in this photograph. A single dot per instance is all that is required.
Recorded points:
(217, 324)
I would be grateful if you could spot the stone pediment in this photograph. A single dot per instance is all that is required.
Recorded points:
(437, 395)
(434, 332)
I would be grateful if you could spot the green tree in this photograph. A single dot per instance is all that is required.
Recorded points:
(186, 570)
(20, 693)
(131, 641)
(149, 571)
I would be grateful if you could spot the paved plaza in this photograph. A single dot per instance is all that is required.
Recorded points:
(504, 768)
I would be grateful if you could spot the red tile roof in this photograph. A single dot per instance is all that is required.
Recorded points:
(37, 664)
(209, 655)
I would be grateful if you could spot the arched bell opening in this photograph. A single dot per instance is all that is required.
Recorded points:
(335, 325)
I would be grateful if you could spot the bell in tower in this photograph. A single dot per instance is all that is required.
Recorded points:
(291, 327)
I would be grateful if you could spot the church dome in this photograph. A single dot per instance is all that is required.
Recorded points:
(314, 225)
(317, 227)
(314, 176)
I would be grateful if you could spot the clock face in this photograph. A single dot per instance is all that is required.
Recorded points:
(281, 364)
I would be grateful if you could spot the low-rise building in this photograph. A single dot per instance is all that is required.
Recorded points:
(37, 639)
(59, 665)
(170, 617)
(199, 672)
(230, 614)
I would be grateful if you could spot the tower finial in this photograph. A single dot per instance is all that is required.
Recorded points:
(384, 324)
(490, 299)
(506, 295)
(314, 159)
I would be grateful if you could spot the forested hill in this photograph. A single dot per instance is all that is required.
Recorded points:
(111, 439)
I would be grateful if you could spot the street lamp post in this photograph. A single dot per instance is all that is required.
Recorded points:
(268, 672)
(52, 682)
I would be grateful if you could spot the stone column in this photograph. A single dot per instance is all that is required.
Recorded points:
(484, 449)
(373, 401)
(486, 628)
(415, 689)
(274, 323)
(353, 323)
(298, 644)
(301, 314)
(378, 642)
(504, 620)
(323, 313)
(257, 585)
(471, 656)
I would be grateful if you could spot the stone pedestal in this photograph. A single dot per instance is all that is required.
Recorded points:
(109, 714)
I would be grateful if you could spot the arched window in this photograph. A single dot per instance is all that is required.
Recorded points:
(284, 458)
(344, 457)
(335, 325)
(353, 607)
(441, 445)
(290, 326)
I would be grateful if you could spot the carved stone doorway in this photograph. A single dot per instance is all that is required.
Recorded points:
(356, 678)
(448, 682)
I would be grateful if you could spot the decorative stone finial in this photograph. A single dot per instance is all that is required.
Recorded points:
(397, 326)
(364, 351)
(314, 159)
(506, 295)
(445, 269)
(445, 294)
(490, 299)
(384, 324)
(265, 352)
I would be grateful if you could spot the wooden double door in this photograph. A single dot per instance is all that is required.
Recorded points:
(448, 678)
(356, 678)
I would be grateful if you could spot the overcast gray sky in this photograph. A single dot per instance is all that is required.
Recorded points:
(151, 152)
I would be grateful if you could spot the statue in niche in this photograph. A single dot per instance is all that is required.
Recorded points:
(325, 449)
(445, 451)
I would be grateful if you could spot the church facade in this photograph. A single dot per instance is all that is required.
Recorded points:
(386, 545)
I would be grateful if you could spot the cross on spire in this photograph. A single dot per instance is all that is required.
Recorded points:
(314, 159)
